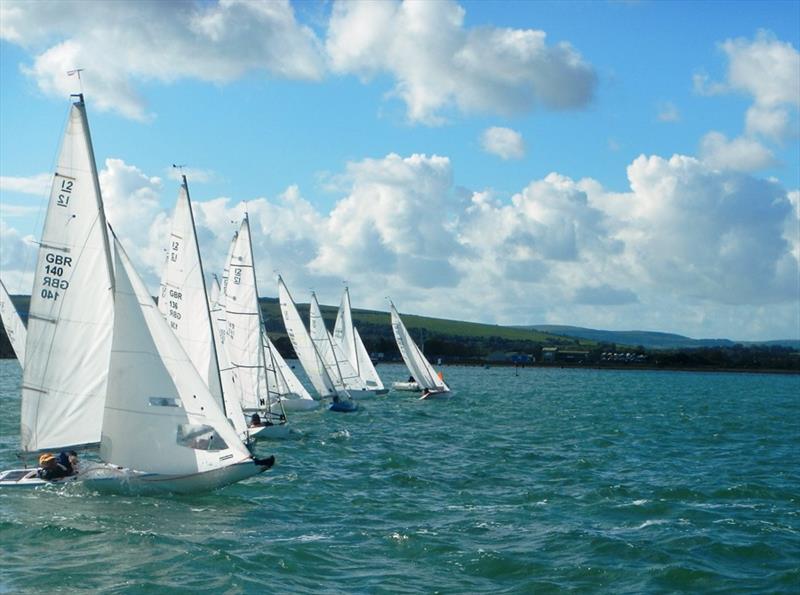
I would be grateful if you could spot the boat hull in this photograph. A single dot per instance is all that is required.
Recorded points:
(270, 432)
(362, 395)
(406, 386)
(441, 394)
(300, 404)
(112, 479)
(29, 478)
(343, 407)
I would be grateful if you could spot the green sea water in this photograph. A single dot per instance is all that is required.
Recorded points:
(546, 481)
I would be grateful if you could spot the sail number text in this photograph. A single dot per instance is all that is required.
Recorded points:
(63, 191)
(53, 280)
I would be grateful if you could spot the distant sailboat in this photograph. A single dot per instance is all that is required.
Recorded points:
(243, 342)
(163, 430)
(346, 335)
(183, 302)
(309, 356)
(433, 384)
(341, 370)
(15, 329)
(283, 382)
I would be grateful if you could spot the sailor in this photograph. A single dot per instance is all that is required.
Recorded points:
(50, 468)
(69, 460)
(255, 420)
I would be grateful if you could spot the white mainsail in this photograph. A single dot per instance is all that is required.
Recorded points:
(339, 368)
(71, 310)
(417, 364)
(244, 329)
(346, 334)
(160, 416)
(304, 347)
(183, 301)
(15, 329)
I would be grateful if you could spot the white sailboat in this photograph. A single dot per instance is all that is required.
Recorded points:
(183, 302)
(309, 356)
(347, 336)
(70, 317)
(243, 342)
(433, 384)
(15, 329)
(163, 430)
(341, 370)
(75, 392)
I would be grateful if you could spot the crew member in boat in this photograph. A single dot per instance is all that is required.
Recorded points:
(69, 460)
(50, 468)
(255, 420)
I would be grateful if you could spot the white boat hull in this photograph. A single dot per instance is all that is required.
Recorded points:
(440, 394)
(361, 395)
(406, 386)
(300, 404)
(29, 478)
(113, 479)
(270, 432)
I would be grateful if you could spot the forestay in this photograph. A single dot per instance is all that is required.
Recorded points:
(15, 329)
(71, 309)
(417, 364)
(183, 301)
(160, 416)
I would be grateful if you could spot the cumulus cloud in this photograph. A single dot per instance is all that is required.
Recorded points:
(439, 64)
(739, 154)
(120, 44)
(503, 142)
(766, 69)
(38, 185)
(688, 247)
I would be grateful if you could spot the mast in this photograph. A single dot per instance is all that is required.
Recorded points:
(95, 180)
(352, 329)
(205, 295)
(258, 309)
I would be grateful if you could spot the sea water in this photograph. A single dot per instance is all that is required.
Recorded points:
(535, 480)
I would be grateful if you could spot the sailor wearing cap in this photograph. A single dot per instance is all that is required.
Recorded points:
(50, 468)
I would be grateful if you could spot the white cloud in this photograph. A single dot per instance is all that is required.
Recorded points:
(689, 248)
(38, 185)
(503, 142)
(766, 69)
(738, 154)
(668, 112)
(120, 44)
(439, 64)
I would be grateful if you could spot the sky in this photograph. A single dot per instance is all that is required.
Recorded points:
(616, 165)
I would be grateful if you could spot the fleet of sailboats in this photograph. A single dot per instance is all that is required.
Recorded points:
(164, 391)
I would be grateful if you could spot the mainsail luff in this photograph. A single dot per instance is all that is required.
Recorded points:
(15, 329)
(71, 309)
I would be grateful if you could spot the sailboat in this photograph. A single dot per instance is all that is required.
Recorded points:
(15, 329)
(75, 392)
(342, 372)
(433, 384)
(347, 336)
(243, 337)
(70, 317)
(309, 356)
(162, 427)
